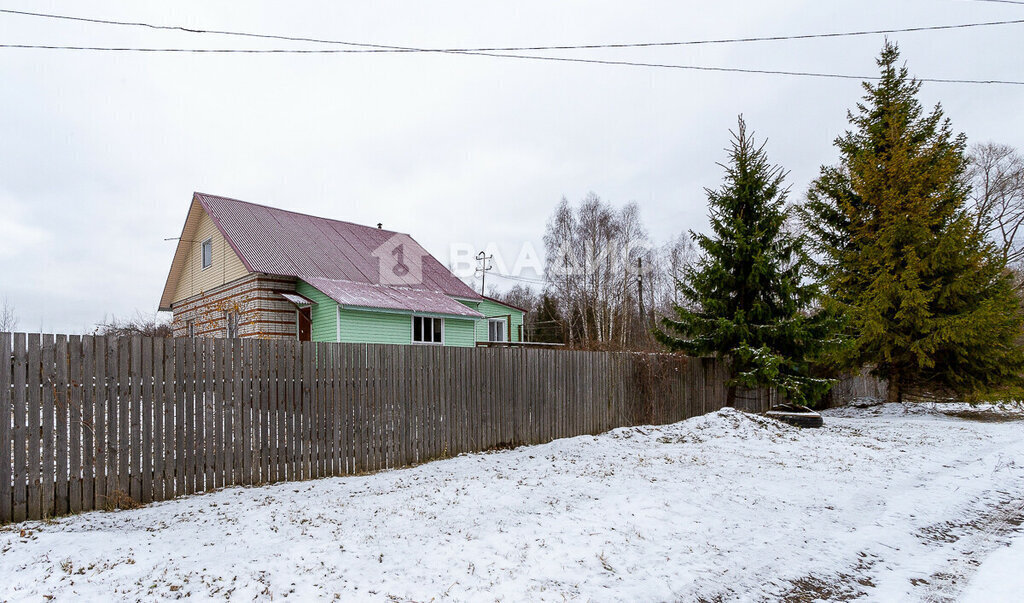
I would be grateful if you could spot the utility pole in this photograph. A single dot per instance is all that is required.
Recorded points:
(484, 266)
(640, 287)
(568, 300)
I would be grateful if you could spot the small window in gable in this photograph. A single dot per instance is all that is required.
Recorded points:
(207, 253)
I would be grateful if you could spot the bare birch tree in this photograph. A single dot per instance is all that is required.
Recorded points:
(8, 317)
(674, 258)
(593, 255)
(996, 176)
(524, 297)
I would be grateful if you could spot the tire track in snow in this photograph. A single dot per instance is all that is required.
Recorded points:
(992, 530)
(961, 538)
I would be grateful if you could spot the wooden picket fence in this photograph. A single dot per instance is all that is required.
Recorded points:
(859, 386)
(90, 422)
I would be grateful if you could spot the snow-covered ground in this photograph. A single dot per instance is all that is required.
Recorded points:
(890, 502)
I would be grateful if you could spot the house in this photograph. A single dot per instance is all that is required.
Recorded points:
(247, 270)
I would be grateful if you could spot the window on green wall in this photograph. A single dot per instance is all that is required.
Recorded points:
(496, 329)
(426, 329)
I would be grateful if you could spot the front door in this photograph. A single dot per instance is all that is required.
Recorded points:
(305, 324)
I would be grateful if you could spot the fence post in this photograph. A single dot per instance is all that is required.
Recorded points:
(6, 434)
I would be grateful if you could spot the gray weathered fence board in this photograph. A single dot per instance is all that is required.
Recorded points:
(266, 395)
(62, 399)
(75, 424)
(207, 469)
(276, 418)
(158, 411)
(19, 509)
(122, 383)
(99, 420)
(144, 398)
(34, 416)
(181, 417)
(244, 445)
(218, 444)
(88, 423)
(47, 426)
(6, 431)
(191, 446)
(135, 425)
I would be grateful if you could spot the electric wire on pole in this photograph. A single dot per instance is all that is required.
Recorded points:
(483, 267)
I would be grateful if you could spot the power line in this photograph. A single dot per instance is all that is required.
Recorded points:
(488, 53)
(537, 281)
(843, 76)
(388, 48)
(1001, 1)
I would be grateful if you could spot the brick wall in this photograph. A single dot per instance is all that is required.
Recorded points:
(261, 311)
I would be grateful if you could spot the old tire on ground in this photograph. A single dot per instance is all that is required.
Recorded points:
(797, 415)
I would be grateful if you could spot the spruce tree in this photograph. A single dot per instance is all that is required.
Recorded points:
(926, 300)
(745, 298)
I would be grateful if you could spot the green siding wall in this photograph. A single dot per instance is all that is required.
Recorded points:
(368, 326)
(493, 309)
(459, 332)
(360, 326)
(324, 313)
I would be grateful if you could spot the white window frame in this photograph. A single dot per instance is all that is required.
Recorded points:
(202, 253)
(190, 328)
(412, 329)
(504, 329)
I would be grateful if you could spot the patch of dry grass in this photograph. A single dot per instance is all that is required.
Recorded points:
(119, 499)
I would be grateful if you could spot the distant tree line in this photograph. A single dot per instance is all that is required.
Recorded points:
(904, 256)
(607, 284)
(146, 325)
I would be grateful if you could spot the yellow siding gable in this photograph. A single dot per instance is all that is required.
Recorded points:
(226, 267)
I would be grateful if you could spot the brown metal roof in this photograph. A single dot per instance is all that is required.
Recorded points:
(506, 304)
(286, 243)
(296, 299)
(364, 295)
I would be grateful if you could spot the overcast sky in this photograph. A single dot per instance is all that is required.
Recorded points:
(101, 152)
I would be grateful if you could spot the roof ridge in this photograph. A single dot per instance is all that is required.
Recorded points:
(363, 284)
(297, 213)
(390, 297)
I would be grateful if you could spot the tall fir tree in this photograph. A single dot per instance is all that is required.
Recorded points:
(925, 298)
(746, 298)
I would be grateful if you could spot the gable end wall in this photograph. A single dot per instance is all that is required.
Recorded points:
(227, 267)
